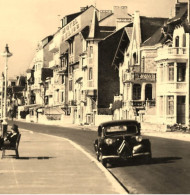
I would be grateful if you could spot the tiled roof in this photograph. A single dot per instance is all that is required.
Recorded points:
(154, 39)
(182, 13)
(149, 26)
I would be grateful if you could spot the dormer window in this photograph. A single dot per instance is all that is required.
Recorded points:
(135, 58)
(177, 41)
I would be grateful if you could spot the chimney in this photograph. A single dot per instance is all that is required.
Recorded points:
(104, 13)
(82, 9)
(177, 8)
(120, 11)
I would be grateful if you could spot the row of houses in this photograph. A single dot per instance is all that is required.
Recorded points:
(108, 64)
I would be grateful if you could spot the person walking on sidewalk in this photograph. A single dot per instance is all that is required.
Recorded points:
(11, 137)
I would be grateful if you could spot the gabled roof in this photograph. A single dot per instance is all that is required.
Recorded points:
(157, 37)
(99, 32)
(149, 26)
(181, 14)
(115, 44)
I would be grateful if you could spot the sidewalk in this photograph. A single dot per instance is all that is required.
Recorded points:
(54, 165)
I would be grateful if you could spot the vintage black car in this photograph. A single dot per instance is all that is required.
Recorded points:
(121, 139)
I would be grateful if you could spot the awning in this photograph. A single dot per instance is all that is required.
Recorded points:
(78, 80)
(32, 106)
(53, 110)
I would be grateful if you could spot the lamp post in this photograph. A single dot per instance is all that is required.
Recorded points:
(6, 54)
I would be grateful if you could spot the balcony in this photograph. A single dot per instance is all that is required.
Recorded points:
(172, 53)
(132, 77)
(53, 48)
(62, 70)
(175, 87)
(140, 103)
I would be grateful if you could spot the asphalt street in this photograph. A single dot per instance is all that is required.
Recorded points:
(167, 173)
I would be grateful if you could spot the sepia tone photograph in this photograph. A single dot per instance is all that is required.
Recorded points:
(94, 97)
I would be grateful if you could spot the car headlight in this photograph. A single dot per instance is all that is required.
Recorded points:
(109, 141)
(139, 138)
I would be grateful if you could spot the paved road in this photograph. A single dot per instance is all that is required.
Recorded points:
(53, 165)
(167, 173)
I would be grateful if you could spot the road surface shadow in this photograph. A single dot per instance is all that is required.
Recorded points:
(138, 162)
(29, 158)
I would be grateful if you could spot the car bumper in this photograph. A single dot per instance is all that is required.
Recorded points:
(119, 157)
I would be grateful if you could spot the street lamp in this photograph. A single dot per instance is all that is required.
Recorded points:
(6, 54)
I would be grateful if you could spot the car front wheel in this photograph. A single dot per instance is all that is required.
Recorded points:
(103, 161)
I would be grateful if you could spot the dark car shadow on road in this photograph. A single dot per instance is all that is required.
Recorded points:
(28, 158)
(138, 162)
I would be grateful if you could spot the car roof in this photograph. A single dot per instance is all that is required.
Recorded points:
(118, 122)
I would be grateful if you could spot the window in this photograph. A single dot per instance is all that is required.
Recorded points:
(70, 85)
(71, 69)
(135, 58)
(62, 79)
(71, 47)
(170, 110)
(91, 51)
(90, 74)
(62, 62)
(136, 92)
(62, 96)
(181, 70)
(83, 61)
(177, 41)
(171, 72)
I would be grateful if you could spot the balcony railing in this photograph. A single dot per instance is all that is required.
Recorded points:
(139, 103)
(62, 70)
(172, 87)
(172, 52)
(128, 77)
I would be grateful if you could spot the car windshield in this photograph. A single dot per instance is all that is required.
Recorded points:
(121, 129)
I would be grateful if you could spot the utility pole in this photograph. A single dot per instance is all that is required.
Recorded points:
(6, 54)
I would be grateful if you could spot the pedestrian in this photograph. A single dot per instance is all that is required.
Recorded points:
(11, 138)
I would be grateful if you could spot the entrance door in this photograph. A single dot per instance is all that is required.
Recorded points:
(148, 92)
(181, 109)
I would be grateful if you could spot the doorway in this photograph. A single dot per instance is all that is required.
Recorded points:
(181, 109)
(148, 92)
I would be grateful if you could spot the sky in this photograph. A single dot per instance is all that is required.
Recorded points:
(25, 22)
